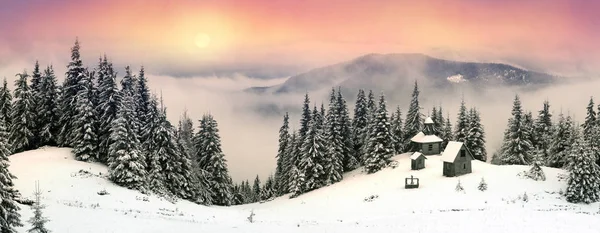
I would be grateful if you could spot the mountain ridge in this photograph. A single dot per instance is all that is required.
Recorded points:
(393, 70)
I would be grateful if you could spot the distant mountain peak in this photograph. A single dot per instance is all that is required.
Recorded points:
(392, 71)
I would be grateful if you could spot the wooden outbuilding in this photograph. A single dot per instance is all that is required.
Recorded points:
(457, 159)
(417, 161)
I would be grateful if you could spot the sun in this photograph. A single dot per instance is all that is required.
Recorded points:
(202, 40)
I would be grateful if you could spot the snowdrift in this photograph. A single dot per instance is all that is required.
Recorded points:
(360, 203)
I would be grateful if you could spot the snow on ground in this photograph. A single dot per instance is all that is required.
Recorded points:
(73, 205)
(458, 78)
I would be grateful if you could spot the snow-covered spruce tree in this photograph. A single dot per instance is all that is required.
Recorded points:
(397, 131)
(152, 122)
(312, 154)
(414, 118)
(128, 87)
(447, 132)
(590, 122)
(543, 131)
(213, 161)
(459, 187)
(349, 162)
(438, 121)
(143, 100)
(584, 176)
(516, 147)
(237, 197)
(22, 116)
(291, 162)
(38, 221)
(161, 154)
(371, 112)
(332, 160)
(6, 104)
(126, 166)
(10, 218)
(536, 173)
(256, 190)
(462, 123)
(561, 143)
(305, 117)
(267, 189)
(34, 87)
(67, 101)
(175, 165)
(284, 138)
(47, 108)
(476, 137)
(381, 140)
(360, 125)
(482, 185)
(85, 143)
(108, 103)
(185, 132)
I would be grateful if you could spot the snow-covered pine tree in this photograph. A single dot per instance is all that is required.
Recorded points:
(381, 140)
(22, 115)
(482, 185)
(47, 108)
(36, 92)
(584, 176)
(256, 190)
(67, 102)
(438, 121)
(349, 161)
(6, 104)
(543, 131)
(528, 128)
(126, 166)
(108, 103)
(334, 152)
(312, 155)
(238, 197)
(397, 131)
(590, 122)
(414, 118)
(371, 112)
(213, 161)
(360, 125)
(143, 100)
(284, 138)
(516, 147)
(290, 162)
(462, 123)
(447, 132)
(476, 137)
(185, 132)
(85, 139)
(38, 221)
(10, 218)
(562, 142)
(267, 189)
(175, 165)
(536, 173)
(305, 117)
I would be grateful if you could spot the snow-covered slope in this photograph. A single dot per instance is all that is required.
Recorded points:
(73, 205)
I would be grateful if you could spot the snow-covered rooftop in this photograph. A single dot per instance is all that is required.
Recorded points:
(416, 155)
(422, 138)
(451, 151)
(428, 120)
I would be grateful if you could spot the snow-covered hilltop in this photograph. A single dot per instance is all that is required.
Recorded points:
(360, 203)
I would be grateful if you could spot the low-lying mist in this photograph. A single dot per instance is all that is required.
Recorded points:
(250, 136)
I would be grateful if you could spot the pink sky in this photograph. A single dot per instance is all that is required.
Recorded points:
(309, 33)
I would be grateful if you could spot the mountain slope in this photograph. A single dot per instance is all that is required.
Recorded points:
(393, 71)
(73, 204)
